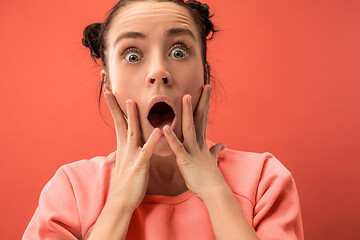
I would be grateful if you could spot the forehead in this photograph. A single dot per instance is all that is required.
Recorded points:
(144, 16)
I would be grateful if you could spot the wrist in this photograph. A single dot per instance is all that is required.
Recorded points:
(217, 194)
(119, 205)
(112, 222)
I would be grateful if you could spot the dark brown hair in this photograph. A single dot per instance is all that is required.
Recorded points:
(95, 34)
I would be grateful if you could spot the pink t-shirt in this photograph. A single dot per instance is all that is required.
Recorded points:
(73, 199)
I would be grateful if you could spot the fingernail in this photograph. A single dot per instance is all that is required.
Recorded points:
(189, 99)
(210, 88)
(167, 129)
(155, 131)
(106, 92)
(222, 147)
(128, 102)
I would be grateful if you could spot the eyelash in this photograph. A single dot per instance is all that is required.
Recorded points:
(129, 50)
(176, 45)
(182, 45)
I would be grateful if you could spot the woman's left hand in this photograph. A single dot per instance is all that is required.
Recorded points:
(197, 163)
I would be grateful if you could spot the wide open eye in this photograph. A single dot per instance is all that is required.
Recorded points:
(132, 57)
(178, 53)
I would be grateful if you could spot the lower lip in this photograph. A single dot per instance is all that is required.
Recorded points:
(172, 126)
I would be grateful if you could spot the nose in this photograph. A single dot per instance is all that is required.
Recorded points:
(158, 74)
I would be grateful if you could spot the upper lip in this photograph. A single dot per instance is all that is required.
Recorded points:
(157, 99)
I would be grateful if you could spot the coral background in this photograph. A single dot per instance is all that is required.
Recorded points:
(290, 81)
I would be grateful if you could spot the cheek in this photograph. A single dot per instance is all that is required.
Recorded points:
(123, 76)
(193, 80)
(189, 76)
(126, 80)
(125, 84)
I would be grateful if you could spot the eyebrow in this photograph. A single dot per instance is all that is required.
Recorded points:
(132, 35)
(180, 31)
(171, 33)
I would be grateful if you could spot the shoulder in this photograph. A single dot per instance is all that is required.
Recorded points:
(246, 171)
(71, 200)
(77, 180)
(89, 168)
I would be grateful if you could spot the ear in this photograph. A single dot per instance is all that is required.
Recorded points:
(104, 78)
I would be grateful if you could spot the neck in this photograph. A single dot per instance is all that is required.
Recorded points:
(165, 177)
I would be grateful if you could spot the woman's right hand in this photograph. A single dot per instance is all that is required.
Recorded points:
(129, 179)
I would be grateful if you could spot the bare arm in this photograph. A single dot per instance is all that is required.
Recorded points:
(227, 217)
(129, 181)
(198, 166)
(112, 223)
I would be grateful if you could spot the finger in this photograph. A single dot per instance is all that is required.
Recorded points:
(216, 149)
(176, 146)
(133, 132)
(207, 113)
(149, 146)
(117, 114)
(188, 126)
(202, 113)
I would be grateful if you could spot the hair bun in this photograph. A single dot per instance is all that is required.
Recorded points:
(91, 39)
(203, 8)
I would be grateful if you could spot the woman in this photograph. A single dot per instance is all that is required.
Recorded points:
(165, 180)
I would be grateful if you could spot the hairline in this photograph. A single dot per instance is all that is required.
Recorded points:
(172, 32)
(190, 15)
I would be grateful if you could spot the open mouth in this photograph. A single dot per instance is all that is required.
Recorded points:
(161, 114)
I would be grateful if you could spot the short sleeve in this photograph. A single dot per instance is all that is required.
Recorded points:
(56, 216)
(277, 212)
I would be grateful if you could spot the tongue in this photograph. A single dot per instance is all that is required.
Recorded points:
(160, 120)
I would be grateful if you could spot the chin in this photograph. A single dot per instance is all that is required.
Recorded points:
(163, 149)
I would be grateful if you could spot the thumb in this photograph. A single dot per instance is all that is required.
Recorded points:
(216, 149)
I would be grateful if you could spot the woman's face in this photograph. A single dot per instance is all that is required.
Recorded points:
(154, 51)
